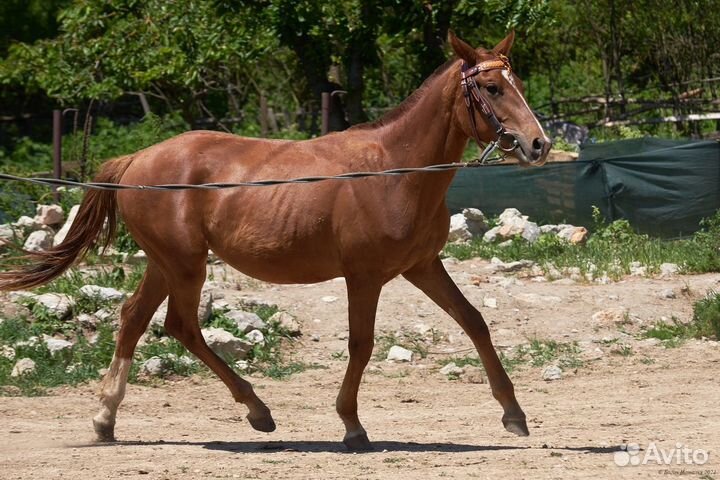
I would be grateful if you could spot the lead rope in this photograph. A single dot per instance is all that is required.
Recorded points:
(483, 160)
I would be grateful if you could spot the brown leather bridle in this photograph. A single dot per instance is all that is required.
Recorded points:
(475, 99)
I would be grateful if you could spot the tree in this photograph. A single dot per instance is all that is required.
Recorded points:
(181, 53)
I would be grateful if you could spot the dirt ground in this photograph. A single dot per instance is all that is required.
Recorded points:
(423, 424)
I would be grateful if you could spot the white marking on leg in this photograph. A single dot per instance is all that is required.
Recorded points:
(112, 392)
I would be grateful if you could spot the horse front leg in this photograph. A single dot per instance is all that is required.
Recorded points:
(435, 282)
(362, 305)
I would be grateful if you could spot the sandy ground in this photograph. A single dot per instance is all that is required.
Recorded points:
(423, 425)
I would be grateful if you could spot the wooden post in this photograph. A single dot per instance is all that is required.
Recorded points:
(325, 108)
(57, 150)
(263, 116)
(272, 120)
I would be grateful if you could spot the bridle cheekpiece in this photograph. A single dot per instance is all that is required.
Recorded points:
(474, 99)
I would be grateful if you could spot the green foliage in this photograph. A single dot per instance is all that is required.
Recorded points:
(215, 59)
(539, 353)
(77, 365)
(413, 341)
(120, 277)
(268, 357)
(85, 360)
(707, 242)
(110, 140)
(705, 323)
(706, 316)
(610, 250)
(18, 198)
(473, 361)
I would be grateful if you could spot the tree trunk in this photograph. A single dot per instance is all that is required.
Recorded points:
(437, 16)
(355, 89)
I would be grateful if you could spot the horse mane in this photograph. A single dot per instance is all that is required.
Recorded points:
(414, 97)
(408, 103)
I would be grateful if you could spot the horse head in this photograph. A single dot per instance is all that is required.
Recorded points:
(491, 106)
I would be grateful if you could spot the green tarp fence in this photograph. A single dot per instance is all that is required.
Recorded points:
(663, 187)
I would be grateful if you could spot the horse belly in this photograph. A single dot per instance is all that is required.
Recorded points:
(278, 252)
(281, 266)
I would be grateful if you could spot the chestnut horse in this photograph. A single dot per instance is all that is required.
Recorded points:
(368, 231)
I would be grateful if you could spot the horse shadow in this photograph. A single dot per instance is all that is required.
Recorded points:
(337, 447)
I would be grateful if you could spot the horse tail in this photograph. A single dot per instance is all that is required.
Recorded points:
(86, 230)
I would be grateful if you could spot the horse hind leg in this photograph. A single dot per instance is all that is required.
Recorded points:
(134, 318)
(181, 322)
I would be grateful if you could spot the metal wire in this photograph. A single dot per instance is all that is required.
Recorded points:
(483, 160)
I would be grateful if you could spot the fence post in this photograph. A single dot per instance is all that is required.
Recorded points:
(57, 150)
(325, 108)
(263, 116)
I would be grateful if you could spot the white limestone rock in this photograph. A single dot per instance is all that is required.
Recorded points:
(467, 225)
(7, 352)
(28, 224)
(57, 305)
(287, 322)
(154, 367)
(668, 269)
(38, 241)
(451, 369)
(24, 366)
(102, 293)
(255, 337)
(491, 235)
(399, 354)
(246, 321)
(552, 372)
(226, 344)
(7, 233)
(56, 345)
(49, 214)
(62, 233)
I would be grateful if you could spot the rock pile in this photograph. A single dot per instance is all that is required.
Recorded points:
(472, 223)
(36, 233)
(469, 224)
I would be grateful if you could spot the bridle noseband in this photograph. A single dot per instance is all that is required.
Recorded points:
(475, 99)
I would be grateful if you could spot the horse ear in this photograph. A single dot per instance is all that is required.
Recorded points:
(505, 45)
(462, 49)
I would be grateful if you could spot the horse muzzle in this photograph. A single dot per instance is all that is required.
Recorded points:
(533, 152)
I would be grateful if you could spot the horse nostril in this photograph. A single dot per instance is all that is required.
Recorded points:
(537, 148)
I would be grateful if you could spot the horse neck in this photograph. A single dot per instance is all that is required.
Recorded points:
(426, 133)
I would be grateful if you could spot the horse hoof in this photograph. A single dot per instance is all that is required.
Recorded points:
(358, 443)
(516, 425)
(262, 423)
(104, 432)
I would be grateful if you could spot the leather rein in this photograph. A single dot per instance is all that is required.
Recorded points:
(474, 99)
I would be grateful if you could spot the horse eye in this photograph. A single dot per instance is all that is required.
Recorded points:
(492, 89)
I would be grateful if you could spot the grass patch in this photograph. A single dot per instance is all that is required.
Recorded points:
(70, 367)
(268, 357)
(86, 359)
(413, 341)
(123, 278)
(704, 324)
(706, 316)
(539, 353)
(622, 351)
(610, 250)
(462, 361)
